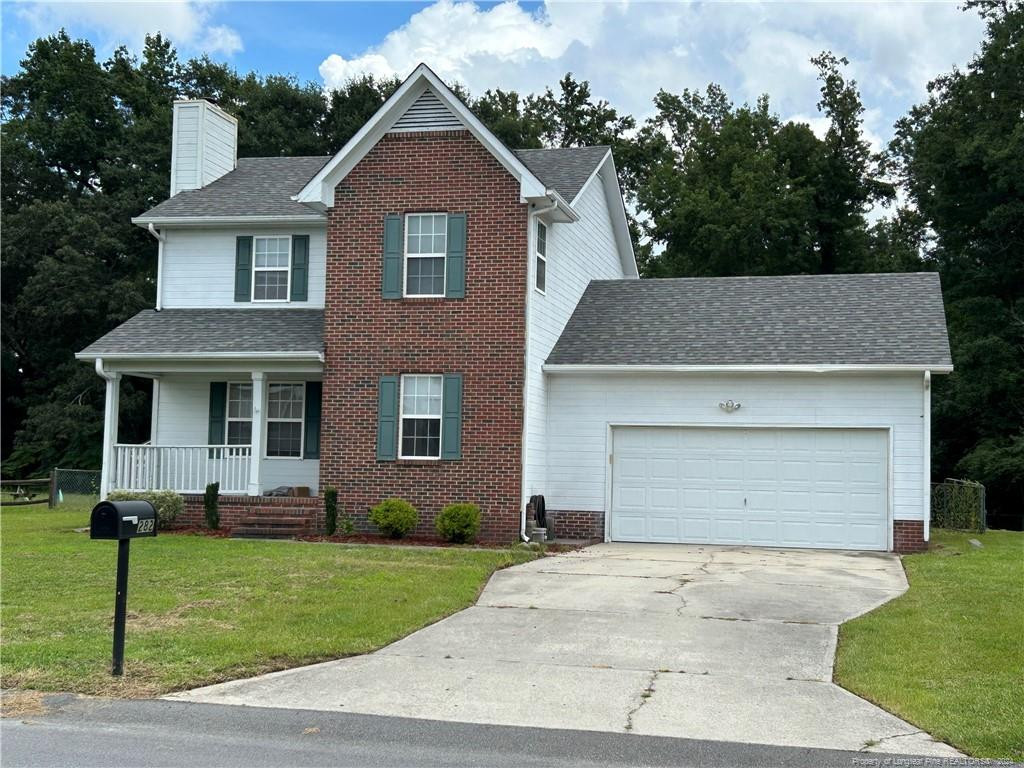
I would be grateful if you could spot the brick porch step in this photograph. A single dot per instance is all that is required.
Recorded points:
(267, 532)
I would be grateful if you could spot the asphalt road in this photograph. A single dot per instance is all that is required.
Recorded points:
(98, 732)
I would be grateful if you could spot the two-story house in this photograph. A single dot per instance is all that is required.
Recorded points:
(432, 315)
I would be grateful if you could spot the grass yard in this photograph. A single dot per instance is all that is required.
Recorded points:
(948, 655)
(203, 610)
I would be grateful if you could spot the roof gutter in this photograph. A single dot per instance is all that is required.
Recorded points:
(317, 356)
(768, 368)
(204, 221)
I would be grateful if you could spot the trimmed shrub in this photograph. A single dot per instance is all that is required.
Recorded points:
(394, 517)
(331, 509)
(211, 509)
(458, 523)
(168, 504)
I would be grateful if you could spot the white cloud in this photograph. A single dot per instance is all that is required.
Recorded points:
(185, 22)
(630, 50)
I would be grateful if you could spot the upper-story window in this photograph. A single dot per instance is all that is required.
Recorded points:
(425, 249)
(271, 268)
(542, 257)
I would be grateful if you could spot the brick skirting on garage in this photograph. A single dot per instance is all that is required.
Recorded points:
(908, 536)
(234, 509)
(570, 524)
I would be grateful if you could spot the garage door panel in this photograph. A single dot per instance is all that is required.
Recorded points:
(806, 487)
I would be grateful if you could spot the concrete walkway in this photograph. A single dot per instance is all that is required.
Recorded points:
(718, 643)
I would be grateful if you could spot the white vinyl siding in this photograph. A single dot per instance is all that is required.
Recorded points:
(183, 412)
(576, 254)
(198, 267)
(203, 145)
(582, 407)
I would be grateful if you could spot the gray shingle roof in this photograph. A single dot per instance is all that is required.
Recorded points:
(263, 186)
(259, 186)
(564, 169)
(213, 332)
(883, 319)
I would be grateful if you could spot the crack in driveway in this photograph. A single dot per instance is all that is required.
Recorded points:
(645, 695)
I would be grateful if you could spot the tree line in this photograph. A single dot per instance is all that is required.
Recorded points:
(715, 188)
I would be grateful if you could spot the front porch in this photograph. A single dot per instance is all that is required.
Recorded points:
(252, 432)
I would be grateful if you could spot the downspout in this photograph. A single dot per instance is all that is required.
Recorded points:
(927, 485)
(160, 240)
(530, 237)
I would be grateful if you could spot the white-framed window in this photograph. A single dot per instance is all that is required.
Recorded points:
(285, 410)
(271, 268)
(541, 276)
(420, 418)
(239, 430)
(426, 246)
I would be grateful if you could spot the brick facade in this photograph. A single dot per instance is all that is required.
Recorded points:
(568, 524)
(481, 336)
(908, 536)
(234, 509)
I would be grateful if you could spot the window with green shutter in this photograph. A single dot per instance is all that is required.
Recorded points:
(387, 418)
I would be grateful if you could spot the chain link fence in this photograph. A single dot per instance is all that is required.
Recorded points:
(74, 485)
(959, 505)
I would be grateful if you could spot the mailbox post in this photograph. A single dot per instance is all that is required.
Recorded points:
(123, 521)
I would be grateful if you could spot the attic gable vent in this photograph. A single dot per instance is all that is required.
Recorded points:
(427, 113)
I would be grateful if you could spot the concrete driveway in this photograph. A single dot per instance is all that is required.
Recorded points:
(720, 643)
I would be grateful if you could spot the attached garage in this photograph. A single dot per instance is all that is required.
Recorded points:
(771, 411)
(792, 487)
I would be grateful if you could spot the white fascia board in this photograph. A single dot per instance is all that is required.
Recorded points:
(207, 221)
(320, 189)
(866, 368)
(213, 357)
(617, 211)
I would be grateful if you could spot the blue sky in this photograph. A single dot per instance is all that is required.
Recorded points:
(626, 49)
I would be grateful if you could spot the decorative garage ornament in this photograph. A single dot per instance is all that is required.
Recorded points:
(729, 406)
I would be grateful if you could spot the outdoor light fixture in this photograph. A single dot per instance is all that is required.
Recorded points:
(729, 406)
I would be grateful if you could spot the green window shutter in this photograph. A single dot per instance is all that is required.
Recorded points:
(300, 267)
(451, 417)
(387, 418)
(391, 272)
(311, 439)
(243, 269)
(217, 434)
(455, 267)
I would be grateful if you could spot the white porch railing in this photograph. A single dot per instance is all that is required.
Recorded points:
(183, 468)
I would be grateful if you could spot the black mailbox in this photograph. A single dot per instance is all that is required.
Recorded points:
(122, 520)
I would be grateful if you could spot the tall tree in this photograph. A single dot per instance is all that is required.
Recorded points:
(960, 156)
(350, 106)
(850, 177)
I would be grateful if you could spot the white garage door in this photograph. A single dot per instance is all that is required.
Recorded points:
(797, 487)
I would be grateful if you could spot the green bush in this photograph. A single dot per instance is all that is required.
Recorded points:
(211, 509)
(458, 523)
(394, 517)
(331, 509)
(168, 504)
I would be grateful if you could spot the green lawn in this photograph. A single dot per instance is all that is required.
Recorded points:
(948, 655)
(203, 610)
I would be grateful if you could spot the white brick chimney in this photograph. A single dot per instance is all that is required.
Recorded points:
(204, 144)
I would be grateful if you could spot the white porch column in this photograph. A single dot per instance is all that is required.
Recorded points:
(259, 386)
(110, 412)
